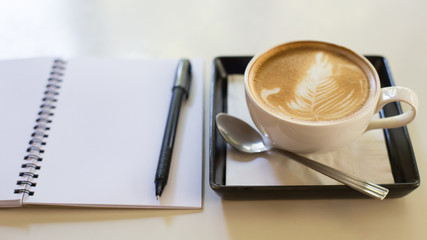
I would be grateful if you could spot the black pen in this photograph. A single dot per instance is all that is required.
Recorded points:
(180, 89)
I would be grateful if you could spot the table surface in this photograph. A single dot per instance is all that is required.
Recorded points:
(206, 29)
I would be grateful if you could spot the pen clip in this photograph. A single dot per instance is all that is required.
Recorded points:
(183, 76)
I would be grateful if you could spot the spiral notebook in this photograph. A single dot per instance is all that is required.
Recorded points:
(87, 132)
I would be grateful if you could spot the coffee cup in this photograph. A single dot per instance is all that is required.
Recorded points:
(311, 96)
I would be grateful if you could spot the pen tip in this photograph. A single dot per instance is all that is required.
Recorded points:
(157, 197)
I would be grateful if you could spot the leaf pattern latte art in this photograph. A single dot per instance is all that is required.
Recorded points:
(318, 96)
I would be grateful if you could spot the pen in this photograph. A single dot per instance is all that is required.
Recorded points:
(180, 89)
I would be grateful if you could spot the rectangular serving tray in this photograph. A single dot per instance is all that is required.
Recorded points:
(401, 155)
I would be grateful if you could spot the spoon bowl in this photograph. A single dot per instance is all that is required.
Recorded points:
(240, 135)
(244, 138)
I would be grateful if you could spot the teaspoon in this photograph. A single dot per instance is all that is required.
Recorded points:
(244, 138)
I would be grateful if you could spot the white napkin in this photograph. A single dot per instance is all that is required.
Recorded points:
(366, 158)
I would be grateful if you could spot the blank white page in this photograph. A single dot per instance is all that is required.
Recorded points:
(106, 135)
(22, 83)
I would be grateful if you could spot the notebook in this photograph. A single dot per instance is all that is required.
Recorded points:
(88, 132)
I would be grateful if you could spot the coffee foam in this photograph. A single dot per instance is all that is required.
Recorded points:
(310, 84)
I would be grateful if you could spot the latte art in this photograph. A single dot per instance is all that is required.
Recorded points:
(311, 85)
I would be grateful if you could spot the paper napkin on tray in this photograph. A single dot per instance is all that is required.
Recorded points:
(366, 158)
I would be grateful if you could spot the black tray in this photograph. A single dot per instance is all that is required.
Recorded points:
(401, 156)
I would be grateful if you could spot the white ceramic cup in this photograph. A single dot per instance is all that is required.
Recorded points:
(308, 137)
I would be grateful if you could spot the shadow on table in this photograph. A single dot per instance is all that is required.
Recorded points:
(23, 217)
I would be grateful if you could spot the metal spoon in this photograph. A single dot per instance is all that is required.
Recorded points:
(243, 137)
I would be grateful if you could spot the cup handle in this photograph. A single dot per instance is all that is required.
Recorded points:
(394, 94)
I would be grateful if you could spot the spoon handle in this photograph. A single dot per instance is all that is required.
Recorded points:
(370, 189)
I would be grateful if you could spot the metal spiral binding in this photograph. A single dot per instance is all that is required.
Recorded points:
(37, 142)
